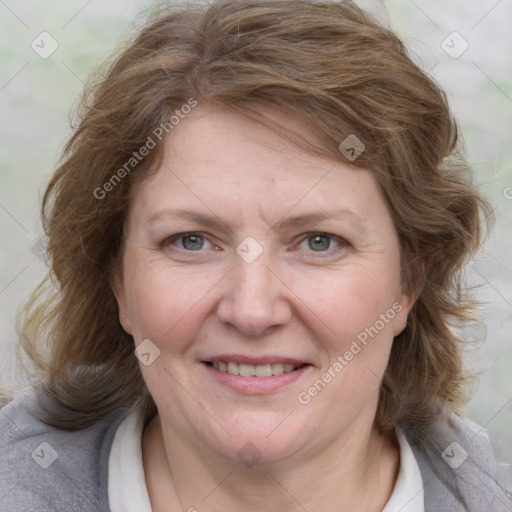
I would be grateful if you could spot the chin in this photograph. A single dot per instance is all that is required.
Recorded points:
(269, 440)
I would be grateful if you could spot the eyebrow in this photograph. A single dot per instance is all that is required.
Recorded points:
(199, 218)
(317, 217)
(212, 221)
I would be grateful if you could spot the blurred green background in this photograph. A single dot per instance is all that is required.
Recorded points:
(37, 94)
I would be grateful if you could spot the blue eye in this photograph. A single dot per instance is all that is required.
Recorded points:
(187, 242)
(319, 242)
(322, 242)
(192, 242)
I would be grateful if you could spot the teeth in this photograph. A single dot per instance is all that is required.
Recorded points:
(263, 370)
(246, 370)
(233, 368)
(251, 370)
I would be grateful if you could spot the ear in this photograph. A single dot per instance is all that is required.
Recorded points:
(411, 285)
(403, 305)
(118, 287)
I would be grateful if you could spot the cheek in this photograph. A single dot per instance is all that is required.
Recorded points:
(165, 305)
(361, 311)
(349, 301)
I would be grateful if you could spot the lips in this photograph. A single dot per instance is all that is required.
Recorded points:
(251, 370)
(255, 375)
(261, 366)
(255, 360)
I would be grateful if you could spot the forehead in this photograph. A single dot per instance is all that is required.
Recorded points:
(223, 162)
(219, 139)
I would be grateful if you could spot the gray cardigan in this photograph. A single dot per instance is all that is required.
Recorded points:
(45, 469)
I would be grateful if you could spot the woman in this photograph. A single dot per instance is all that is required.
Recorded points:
(264, 202)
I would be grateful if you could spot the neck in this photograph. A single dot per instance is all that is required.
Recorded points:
(352, 473)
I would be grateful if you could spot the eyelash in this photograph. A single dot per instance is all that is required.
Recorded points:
(342, 243)
(170, 240)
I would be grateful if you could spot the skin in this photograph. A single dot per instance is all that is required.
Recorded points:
(292, 301)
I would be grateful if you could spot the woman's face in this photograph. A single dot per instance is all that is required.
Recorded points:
(244, 254)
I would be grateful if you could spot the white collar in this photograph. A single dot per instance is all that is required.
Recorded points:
(127, 491)
(407, 495)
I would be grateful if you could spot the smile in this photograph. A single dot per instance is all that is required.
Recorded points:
(255, 379)
(251, 370)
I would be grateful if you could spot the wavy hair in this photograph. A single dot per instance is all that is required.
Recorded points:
(327, 63)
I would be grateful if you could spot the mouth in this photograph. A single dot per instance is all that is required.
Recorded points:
(254, 370)
(255, 376)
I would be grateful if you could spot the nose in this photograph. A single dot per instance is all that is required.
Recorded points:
(254, 298)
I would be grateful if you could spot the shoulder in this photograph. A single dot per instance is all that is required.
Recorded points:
(459, 469)
(48, 469)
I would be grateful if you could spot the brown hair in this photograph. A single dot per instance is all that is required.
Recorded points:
(326, 63)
